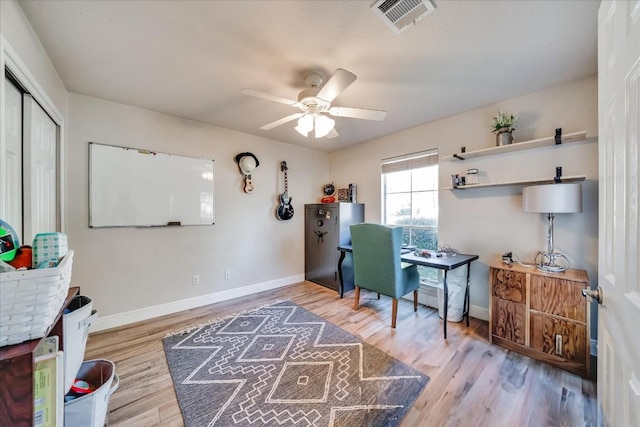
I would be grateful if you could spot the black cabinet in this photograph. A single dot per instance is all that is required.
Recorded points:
(326, 228)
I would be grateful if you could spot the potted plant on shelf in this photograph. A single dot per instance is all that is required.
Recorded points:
(503, 126)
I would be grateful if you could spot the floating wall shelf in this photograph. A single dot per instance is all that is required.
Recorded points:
(564, 179)
(518, 146)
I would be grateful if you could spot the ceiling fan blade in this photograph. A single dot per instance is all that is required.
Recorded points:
(268, 96)
(281, 121)
(339, 81)
(357, 113)
(333, 133)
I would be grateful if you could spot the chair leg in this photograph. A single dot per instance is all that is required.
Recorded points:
(394, 312)
(415, 300)
(356, 300)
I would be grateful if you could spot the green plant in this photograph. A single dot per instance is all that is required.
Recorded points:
(504, 120)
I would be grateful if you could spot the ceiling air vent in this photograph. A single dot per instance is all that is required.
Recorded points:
(400, 14)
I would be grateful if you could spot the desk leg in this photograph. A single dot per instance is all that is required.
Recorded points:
(446, 302)
(467, 297)
(342, 255)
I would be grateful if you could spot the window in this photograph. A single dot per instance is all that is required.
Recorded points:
(410, 199)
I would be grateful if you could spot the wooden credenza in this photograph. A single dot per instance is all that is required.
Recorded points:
(16, 374)
(541, 315)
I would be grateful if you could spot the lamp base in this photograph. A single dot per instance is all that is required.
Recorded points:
(546, 262)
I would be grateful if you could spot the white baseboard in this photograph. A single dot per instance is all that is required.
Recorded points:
(478, 312)
(428, 296)
(121, 319)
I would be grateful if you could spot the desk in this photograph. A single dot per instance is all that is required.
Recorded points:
(445, 264)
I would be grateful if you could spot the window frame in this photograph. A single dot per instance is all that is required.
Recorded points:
(411, 162)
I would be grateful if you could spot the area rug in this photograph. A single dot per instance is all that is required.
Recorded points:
(281, 365)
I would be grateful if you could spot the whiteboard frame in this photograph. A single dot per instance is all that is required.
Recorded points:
(145, 151)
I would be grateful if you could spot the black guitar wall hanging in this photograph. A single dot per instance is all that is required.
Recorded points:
(284, 211)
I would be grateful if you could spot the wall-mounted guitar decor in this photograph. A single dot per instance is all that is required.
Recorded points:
(284, 211)
(247, 163)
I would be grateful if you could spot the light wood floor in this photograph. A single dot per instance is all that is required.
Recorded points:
(473, 383)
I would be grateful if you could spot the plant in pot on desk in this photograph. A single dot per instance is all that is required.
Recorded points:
(503, 126)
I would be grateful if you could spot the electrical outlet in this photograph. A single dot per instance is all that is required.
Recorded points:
(196, 280)
(227, 274)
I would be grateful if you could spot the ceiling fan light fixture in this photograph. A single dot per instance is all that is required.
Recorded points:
(315, 105)
(323, 125)
(301, 131)
(320, 124)
(305, 125)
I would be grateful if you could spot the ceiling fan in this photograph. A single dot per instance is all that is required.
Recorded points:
(315, 104)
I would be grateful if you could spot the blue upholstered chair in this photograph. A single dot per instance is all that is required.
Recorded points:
(377, 266)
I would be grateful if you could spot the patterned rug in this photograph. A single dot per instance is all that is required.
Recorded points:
(281, 365)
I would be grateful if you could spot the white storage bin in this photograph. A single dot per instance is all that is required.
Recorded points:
(75, 325)
(31, 300)
(455, 306)
(91, 409)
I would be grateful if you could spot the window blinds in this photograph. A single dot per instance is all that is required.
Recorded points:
(410, 161)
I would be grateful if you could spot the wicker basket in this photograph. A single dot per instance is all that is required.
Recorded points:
(30, 300)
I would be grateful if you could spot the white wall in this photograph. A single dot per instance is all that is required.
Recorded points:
(490, 221)
(22, 53)
(128, 269)
(22, 40)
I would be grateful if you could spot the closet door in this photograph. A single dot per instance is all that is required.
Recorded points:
(11, 178)
(40, 177)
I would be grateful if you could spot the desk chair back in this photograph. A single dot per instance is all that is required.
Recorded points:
(377, 265)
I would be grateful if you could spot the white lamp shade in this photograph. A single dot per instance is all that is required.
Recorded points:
(305, 125)
(552, 198)
(323, 125)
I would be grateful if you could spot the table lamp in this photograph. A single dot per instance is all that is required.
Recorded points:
(552, 199)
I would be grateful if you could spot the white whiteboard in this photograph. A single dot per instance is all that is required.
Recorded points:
(139, 188)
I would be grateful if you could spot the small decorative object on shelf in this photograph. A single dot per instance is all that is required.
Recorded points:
(457, 180)
(343, 195)
(503, 126)
(353, 198)
(471, 177)
(329, 191)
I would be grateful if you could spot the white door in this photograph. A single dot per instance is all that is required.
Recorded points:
(40, 177)
(619, 264)
(11, 179)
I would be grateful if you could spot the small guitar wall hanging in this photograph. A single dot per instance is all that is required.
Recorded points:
(247, 163)
(284, 211)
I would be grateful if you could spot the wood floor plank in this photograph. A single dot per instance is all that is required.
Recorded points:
(472, 383)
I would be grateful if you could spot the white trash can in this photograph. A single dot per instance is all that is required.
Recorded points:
(455, 308)
(91, 409)
(75, 324)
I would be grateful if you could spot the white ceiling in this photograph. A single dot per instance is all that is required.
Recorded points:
(192, 58)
